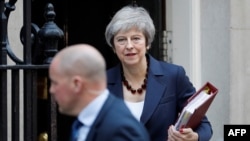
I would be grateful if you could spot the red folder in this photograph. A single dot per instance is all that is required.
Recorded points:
(195, 109)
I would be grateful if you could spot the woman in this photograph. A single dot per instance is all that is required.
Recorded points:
(155, 91)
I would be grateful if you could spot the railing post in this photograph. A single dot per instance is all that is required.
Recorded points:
(3, 74)
(49, 35)
(29, 77)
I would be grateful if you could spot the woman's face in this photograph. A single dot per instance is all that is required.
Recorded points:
(130, 46)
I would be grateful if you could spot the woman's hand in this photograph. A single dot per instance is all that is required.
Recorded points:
(184, 134)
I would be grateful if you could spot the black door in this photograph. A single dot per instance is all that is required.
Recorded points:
(85, 22)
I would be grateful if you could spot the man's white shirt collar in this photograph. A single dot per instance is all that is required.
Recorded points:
(88, 115)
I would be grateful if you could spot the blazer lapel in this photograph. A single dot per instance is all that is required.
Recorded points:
(92, 134)
(115, 81)
(155, 90)
(106, 106)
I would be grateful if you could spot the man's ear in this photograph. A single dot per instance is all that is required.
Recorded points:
(77, 83)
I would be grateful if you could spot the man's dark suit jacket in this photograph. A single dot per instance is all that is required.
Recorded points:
(168, 88)
(116, 123)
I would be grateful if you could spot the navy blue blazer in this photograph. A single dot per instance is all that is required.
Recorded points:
(116, 123)
(168, 88)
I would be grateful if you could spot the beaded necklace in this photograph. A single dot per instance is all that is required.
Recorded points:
(143, 85)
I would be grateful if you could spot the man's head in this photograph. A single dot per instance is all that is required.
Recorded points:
(78, 75)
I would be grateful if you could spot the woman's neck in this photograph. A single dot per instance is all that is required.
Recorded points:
(135, 71)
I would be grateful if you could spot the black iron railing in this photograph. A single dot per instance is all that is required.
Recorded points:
(39, 46)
